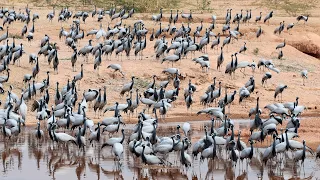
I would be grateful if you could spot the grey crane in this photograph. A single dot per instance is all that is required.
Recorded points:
(304, 18)
(259, 32)
(35, 16)
(5, 78)
(32, 58)
(51, 54)
(300, 154)
(166, 29)
(204, 41)
(161, 50)
(157, 17)
(171, 71)
(50, 15)
(215, 94)
(247, 153)
(280, 54)
(175, 19)
(247, 17)
(170, 17)
(230, 66)
(116, 67)
(278, 29)
(127, 87)
(74, 59)
(258, 18)
(281, 27)
(117, 150)
(270, 152)
(290, 26)
(158, 32)
(24, 30)
(78, 77)
(228, 99)
(79, 36)
(5, 35)
(38, 133)
(225, 28)
(56, 63)
(153, 83)
(97, 103)
(187, 16)
(199, 28)
(171, 58)
(234, 154)
(98, 59)
(189, 99)
(152, 35)
(268, 17)
(243, 94)
(186, 159)
(229, 15)
(279, 89)
(35, 69)
(216, 42)
(265, 77)
(131, 11)
(226, 41)
(44, 40)
(243, 48)
(304, 75)
(149, 158)
(134, 103)
(234, 65)
(240, 144)
(281, 45)
(196, 47)
(17, 55)
(140, 46)
(86, 50)
(220, 60)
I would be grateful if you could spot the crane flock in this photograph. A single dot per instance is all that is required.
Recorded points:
(62, 114)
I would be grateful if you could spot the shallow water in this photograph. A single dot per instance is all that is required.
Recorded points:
(26, 157)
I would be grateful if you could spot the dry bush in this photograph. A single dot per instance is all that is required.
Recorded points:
(17, 36)
(291, 7)
(141, 6)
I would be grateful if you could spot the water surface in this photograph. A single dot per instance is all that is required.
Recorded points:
(25, 157)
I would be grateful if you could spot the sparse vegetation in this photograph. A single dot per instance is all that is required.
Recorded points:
(141, 83)
(65, 59)
(256, 51)
(17, 36)
(289, 68)
(291, 7)
(141, 6)
(204, 5)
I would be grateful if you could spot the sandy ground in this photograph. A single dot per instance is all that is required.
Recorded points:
(291, 65)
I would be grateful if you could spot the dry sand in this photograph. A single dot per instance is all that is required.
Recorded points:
(293, 62)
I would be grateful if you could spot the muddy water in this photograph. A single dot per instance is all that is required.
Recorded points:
(27, 158)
